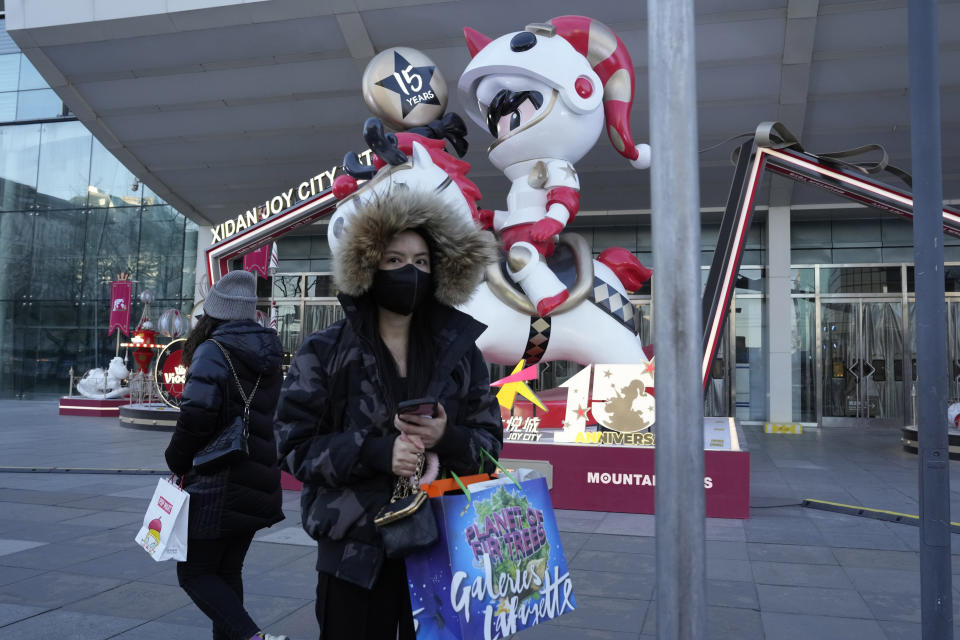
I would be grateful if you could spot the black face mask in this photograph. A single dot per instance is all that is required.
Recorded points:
(401, 290)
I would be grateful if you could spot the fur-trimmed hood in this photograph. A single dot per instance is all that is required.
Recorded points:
(459, 250)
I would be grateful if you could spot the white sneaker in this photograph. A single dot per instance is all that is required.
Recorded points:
(270, 636)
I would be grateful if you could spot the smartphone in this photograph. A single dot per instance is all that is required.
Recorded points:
(419, 406)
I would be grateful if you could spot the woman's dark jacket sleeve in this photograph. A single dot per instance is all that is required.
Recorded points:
(201, 407)
(476, 427)
(310, 446)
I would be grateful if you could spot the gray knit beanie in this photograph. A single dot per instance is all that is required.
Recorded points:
(233, 297)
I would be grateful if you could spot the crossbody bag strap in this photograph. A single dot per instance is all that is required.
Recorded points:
(246, 399)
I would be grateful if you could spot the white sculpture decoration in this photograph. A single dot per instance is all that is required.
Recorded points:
(103, 384)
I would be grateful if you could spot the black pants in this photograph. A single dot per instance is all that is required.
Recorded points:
(348, 612)
(212, 577)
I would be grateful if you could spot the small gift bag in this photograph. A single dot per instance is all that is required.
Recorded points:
(164, 531)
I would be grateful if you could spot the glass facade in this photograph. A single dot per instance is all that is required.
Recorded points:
(71, 218)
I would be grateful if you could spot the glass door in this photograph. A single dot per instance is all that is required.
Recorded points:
(862, 348)
(716, 398)
(953, 348)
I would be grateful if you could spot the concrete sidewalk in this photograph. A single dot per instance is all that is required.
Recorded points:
(69, 567)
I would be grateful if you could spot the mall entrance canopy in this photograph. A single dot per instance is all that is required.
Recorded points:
(218, 105)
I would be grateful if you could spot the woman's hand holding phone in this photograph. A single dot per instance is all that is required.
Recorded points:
(429, 429)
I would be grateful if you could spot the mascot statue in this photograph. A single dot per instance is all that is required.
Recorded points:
(546, 94)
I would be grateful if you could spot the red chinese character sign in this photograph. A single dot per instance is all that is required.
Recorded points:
(121, 292)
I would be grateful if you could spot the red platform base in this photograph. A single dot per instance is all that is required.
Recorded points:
(80, 406)
(621, 479)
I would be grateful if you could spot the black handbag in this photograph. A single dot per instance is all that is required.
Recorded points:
(406, 523)
(231, 443)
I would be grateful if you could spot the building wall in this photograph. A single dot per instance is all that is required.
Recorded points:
(70, 221)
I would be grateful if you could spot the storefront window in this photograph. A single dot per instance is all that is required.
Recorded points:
(751, 360)
(16, 249)
(951, 277)
(320, 286)
(320, 316)
(63, 178)
(57, 256)
(953, 346)
(189, 277)
(716, 396)
(288, 326)
(751, 280)
(111, 246)
(39, 104)
(111, 183)
(860, 280)
(9, 71)
(287, 286)
(30, 78)
(802, 281)
(8, 106)
(161, 252)
(19, 156)
(804, 360)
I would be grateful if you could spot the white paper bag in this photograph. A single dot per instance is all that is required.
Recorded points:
(164, 530)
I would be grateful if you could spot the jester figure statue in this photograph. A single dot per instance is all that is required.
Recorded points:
(545, 94)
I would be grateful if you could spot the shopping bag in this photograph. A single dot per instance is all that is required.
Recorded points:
(498, 568)
(164, 531)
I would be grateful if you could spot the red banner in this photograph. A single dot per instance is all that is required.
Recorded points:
(120, 293)
(258, 261)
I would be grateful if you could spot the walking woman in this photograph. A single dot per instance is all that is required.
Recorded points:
(230, 357)
(401, 265)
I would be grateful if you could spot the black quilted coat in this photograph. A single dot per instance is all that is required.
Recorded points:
(244, 496)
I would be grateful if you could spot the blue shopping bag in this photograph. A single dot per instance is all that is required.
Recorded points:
(498, 568)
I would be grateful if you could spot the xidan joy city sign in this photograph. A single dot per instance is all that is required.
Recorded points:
(282, 201)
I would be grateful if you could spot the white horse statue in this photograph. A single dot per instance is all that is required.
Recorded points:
(104, 384)
(597, 324)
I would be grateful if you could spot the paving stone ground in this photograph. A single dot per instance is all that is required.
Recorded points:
(69, 568)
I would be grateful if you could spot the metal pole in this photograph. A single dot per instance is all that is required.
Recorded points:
(675, 196)
(936, 598)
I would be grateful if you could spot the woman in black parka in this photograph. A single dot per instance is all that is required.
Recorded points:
(229, 503)
(403, 262)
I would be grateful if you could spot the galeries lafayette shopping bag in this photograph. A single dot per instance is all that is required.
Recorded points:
(498, 568)
(164, 531)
